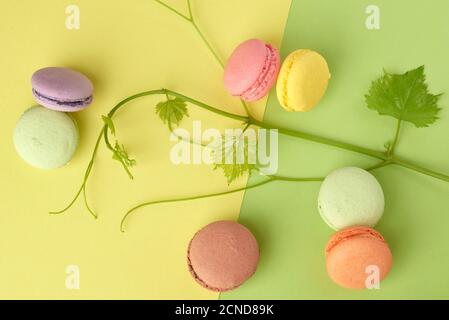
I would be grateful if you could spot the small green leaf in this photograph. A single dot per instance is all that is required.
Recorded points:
(118, 151)
(172, 111)
(404, 97)
(229, 149)
(108, 122)
(121, 155)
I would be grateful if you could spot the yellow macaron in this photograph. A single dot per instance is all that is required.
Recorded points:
(302, 80)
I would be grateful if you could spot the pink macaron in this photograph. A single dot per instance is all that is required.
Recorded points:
(62, 89)
(252, 70)
(222, 255)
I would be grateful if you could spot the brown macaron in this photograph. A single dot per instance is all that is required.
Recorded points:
(222, 255)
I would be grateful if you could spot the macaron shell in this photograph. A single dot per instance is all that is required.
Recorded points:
(223, 255)
(302, 80)
(349, 197)
(44, 138)
(63, 85)
(244, 66)
(267, 77)
(347, 233)
(350, 263)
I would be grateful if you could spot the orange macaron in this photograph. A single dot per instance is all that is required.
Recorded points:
(358, 257)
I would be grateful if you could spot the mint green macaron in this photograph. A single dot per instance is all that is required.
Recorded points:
(45, 139)
(350, 197)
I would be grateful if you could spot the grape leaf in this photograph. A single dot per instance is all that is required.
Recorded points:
(404, 97)
(172, 111)
(229, 148)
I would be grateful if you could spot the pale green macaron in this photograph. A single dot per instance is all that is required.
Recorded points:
(45, 139)
(351, 197)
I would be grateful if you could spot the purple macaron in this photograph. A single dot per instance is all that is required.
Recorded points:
(62, 89)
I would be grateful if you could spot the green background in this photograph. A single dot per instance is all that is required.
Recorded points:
(283, 215)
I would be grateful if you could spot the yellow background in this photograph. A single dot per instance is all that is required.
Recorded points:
(125, 47)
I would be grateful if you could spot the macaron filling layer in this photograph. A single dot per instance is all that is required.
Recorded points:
(284, 80)
(266, 77)
(197, 277)
(345, 234)
(59, 102)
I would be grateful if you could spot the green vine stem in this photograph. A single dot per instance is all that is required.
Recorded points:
(104, 130)
(84, 183)
(174, 94)
(247, 119)
(417, 168)
(210, 195)
(386, 157)
(192, 21)
(321, 140)
(396, 137)
(269, 179)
